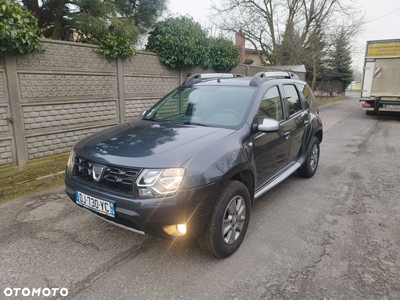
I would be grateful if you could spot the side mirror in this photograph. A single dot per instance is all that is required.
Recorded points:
(142, 114)
(269, 125)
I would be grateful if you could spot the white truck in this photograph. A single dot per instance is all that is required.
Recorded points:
(380, 89)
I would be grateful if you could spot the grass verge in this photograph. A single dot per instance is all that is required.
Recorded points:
(323, 100)
(37, 175)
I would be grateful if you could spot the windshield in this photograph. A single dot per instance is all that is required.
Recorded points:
(220, 106)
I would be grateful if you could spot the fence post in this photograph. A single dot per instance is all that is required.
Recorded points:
(121, 90)
(12, 81)
(180, 76)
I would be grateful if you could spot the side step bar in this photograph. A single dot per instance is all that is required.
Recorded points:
(277, 180)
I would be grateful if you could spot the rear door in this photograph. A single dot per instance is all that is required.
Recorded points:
(386, 81)
(369, 70)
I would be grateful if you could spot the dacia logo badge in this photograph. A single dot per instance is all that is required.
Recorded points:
(98, 171)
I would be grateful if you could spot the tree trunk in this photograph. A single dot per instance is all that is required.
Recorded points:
(33, 6)
(58, 20)
(314, 71)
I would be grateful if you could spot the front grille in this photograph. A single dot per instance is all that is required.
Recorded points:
(118, 179)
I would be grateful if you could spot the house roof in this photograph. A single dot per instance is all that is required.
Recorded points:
(253, 51)
(293, 68)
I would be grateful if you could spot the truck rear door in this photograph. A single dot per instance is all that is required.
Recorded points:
(369, 70)
(386, 81)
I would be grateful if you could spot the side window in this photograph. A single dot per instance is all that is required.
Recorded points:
(292, 99)
(271, 105)
(307, 94)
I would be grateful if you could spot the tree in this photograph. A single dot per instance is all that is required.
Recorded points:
(144, 13)
(180, 42)
(93, 17)
(286, 30)
(19, 31)
(115, 25)
(315, 60)
(98, 22)
(340, 60)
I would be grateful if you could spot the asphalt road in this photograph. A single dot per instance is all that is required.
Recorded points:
(334, 236)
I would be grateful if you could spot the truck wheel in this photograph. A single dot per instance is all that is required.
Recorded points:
(310, 165)
(229, 221)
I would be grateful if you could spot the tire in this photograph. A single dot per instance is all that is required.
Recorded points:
(229, 221)
(310, 165)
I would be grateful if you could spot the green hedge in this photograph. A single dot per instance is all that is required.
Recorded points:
(19, 31)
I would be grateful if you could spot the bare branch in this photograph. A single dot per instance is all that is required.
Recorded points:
(289, 31)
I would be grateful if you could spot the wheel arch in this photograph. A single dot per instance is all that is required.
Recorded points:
(307, 143)
(319, 135)
(247, 178)
(315, 129)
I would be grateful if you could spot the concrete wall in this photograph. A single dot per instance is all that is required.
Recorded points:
(50, 99)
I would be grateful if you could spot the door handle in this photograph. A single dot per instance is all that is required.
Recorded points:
(287, 135)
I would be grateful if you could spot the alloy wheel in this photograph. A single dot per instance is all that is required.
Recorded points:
(234, 219)
(314, 157)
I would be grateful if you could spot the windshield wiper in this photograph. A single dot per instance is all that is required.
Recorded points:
(194, 123)
(153, 119)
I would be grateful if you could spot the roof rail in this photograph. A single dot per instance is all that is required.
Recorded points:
(262, 76)
(207, 76)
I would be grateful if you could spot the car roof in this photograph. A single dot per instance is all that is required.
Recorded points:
(238, 80)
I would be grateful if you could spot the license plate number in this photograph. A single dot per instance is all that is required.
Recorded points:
(97, 205)
(392, 106)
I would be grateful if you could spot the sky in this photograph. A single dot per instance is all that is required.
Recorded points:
(382, 17)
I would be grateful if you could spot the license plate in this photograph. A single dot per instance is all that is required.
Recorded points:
(97, 205)
(392, 106)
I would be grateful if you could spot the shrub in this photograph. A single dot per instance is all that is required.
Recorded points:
(112, 46)
(248, 61)
(19, 31)
(180, 42)
(224, 55)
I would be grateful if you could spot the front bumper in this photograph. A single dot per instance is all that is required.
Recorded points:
(191, 207)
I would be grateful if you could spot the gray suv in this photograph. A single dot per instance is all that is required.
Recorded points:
(193, 164)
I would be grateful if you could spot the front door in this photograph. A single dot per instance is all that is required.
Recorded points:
(271, 149)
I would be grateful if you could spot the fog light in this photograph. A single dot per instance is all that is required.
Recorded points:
(181, 228)
(175, 230)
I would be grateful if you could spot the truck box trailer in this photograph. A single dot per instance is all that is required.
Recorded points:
(380, 89)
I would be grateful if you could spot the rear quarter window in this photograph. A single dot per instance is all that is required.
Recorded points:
(307, 94)
(292, 99)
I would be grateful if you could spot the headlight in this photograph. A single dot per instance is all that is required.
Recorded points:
(71, 163)
(159, 182)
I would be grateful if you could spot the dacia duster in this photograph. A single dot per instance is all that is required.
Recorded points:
(193, 164)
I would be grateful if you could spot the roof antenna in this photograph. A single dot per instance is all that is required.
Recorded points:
(229, 68)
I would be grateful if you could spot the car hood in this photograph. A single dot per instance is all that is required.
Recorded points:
(148, 144)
